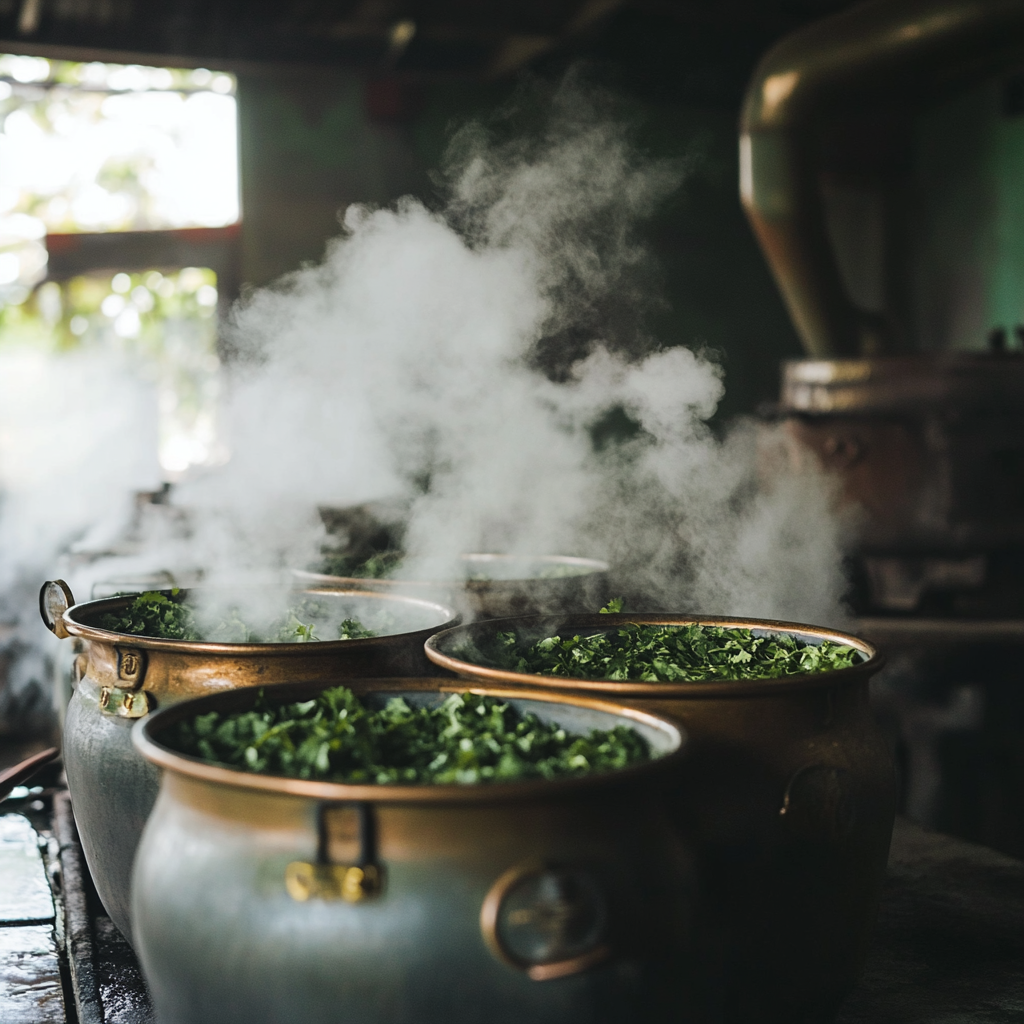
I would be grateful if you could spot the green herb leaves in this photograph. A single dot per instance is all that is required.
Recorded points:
(666, 654)
(466, 739)
(153, 614)
(378, 566)
(353, 629)
(156, 615)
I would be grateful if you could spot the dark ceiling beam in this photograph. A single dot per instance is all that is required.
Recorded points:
(519, 50)
(403, 47)
(412, 39)
(748, 15)
(149, 58)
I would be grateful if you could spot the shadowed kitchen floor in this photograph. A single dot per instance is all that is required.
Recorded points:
(949, 948)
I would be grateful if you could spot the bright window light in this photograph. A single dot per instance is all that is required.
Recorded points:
(164, 323)
(109, 147)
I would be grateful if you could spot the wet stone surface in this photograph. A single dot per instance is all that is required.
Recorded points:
(30, 982)
(24, 889)
(31, 990)
(122, 990)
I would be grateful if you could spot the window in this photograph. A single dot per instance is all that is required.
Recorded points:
(119, 224)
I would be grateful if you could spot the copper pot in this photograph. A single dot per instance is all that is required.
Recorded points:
(929, 449)
(788, 794)
(269, 898)
(120, 678)
(497, 585)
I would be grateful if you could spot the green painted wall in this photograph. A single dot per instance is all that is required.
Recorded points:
(309, 148)
(967, 216)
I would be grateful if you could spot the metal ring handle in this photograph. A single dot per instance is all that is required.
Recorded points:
(55, 598)
(561, 916)
(820, 804)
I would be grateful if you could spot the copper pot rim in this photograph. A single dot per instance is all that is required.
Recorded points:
(425, 793)
(449, 619)
(712, 689)
(595, 567)
(856, 369)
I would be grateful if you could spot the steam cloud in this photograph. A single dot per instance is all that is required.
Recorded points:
(477, 347)
(78, 434)
(467, 358)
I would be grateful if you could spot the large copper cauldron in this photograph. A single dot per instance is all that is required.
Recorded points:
(872, 168)
(493, 586)
(788, 794)
(261, 898)
(891, 273)
(120, 678)
(930, 449)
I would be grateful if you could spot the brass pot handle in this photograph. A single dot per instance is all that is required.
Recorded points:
(55, 598)
(325, 880)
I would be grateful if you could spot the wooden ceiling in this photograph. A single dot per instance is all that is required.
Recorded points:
(417, 38)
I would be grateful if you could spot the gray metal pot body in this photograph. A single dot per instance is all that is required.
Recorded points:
(112, 792)
(223, 940)
(112, 787)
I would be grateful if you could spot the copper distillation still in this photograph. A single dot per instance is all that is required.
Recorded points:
(881, 162)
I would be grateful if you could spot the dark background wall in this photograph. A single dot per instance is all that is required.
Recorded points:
(311, 144)
(333, 111)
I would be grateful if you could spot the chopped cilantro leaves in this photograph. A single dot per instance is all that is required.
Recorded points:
(665, 654)
(154, 614)
(466, 739)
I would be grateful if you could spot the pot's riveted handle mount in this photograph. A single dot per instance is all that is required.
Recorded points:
(121, 703)
(325, 880)
(125, 698)
(55, 598)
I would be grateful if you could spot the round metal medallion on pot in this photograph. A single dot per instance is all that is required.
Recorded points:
(788, 795)
(120, 677)
(540, 900)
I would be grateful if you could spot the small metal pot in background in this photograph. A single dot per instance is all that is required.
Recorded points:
(788, 794)
(495, 585)
(120, 678)
(269, 898)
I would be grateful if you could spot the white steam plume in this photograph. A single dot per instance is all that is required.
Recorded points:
(463, 357)
(78, 435)
(468, 358)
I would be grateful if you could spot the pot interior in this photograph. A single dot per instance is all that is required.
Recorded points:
(384, 614)
(481, 569)
(574, 714)
(463, 650)
(571, 717)
(461, 642)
